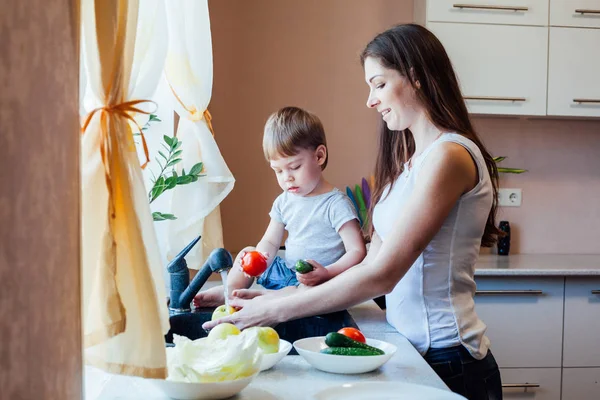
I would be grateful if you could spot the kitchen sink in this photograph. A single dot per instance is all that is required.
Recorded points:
(190, 325)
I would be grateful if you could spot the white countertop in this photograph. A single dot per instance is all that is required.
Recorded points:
(292, 378)
(538, 265)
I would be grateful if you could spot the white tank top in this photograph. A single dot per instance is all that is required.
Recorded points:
(432, 305)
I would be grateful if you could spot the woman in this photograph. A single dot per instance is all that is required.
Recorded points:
(435, 205)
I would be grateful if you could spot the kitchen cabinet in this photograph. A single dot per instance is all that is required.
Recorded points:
(501, 69)
(531, 383)
(579, 13)
(525, 57)
(544, 334)
(524, 319)
(581, 383)
(574, 72)
(509, 12)
(581, 347)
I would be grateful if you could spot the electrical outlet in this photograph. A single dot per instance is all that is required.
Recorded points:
(509, 197)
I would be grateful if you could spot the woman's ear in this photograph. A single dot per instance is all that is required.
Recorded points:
(414, 78)
(321, 154)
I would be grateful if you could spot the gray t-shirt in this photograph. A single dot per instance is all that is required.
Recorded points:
(313, 223)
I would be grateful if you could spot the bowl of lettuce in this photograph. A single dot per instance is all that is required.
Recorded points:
(210, 369)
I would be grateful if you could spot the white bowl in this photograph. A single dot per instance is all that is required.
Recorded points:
(385, 391)
(202, 391)
(310, 348)
(269, 360)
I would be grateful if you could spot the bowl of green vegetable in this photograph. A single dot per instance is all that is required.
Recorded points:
(339, 354)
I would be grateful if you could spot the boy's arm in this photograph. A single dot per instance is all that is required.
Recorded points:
(355, 248)
(355, 253)
(271, 240)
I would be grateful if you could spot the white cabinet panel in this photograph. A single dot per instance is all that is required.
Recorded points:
(574, 72)
(582, 13)
(513, 12)
(581, 383)
(496, 63)
(531, 383)
(582, 323)
(524, 317)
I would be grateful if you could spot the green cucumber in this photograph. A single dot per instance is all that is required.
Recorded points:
(349, 351)
(334, 339)
(302, 267)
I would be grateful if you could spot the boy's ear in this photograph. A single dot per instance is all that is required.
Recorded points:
(321, 154)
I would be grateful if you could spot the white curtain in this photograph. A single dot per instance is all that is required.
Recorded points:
(124, 301)
(189, 73)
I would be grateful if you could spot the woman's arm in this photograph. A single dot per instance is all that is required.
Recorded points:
(449, 173)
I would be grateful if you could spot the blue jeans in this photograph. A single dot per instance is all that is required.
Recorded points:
(278, 276)
(465, 375)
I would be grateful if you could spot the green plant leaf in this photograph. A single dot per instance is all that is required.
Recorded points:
(171, 182)
(499, 159)
(177, 153)
(154, 117)
(511, 170)
(158, 216)
(168, 140)
(163, 155)
(184, 180)
(173, 162)
(174, 142)
(178, 145)
(155, 192)
(194, 178)
(196, 169)
(183, 172)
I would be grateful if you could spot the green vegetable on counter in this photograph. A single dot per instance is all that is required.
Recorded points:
(349, 351)
(337, 340)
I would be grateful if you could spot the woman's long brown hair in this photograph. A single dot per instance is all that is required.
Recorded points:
(418, 55)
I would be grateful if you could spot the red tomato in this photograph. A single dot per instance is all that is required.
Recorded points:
(353, 334)
(254, 263)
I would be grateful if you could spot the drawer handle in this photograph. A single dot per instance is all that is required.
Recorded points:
(584, 11)
(494, 98)
(586, 101)
(521, 385)
(508, 292)
(485, 7)
(595, 291)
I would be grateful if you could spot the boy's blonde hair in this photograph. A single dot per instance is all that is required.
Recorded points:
(291, 129)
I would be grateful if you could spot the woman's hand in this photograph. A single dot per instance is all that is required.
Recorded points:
(318, 275)
(259, 311)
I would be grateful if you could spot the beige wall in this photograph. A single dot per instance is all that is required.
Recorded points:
(40, 320)
(271, 53)
(561, 190)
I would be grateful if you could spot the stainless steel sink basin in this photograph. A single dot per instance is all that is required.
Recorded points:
(190, 325)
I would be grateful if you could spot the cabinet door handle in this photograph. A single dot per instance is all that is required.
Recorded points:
(584, 11)
(532, 292)
(486, 7)
(586, 101)
(495, 98)
(595, 291)
(521, 385)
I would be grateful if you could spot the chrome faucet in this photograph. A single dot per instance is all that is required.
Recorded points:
(182, 291)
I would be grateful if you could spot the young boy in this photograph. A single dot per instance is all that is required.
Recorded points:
(321, 222)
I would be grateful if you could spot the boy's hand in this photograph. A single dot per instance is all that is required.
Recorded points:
(318, 275)
(238, 260)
